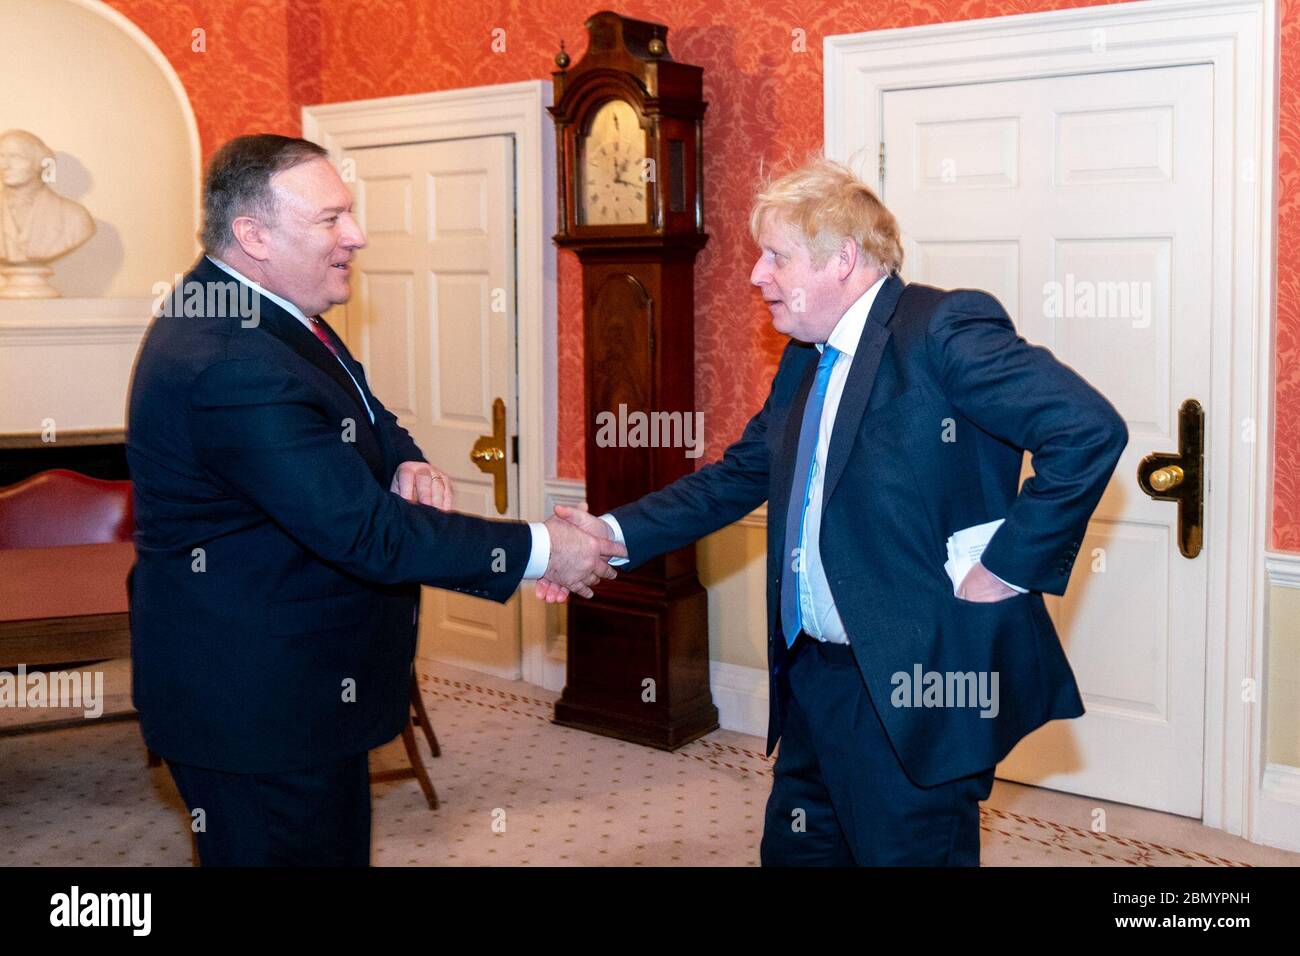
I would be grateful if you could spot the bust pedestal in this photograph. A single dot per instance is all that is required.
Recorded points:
(31, 281)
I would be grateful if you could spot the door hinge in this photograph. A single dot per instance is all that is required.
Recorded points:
(882, 165)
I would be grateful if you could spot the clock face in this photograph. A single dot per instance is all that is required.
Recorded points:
(613, 177)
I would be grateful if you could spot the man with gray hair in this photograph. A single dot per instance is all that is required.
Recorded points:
(284, 524)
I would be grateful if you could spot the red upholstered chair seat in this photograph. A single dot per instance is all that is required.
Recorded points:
(62, 507)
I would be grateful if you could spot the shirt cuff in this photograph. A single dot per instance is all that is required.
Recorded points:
(540, 556)
(1013, 587)
(617, 533)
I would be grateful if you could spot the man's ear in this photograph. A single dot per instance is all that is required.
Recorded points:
(251, 236)
(847, 258)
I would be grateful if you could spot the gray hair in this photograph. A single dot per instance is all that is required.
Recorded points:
(239, 182)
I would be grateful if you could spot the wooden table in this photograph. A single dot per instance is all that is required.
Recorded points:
(63, 605)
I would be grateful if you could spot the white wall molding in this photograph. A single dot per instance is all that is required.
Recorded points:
(1283, 569)
(564, 491)
(68, 360)
(570, 492)
(65, 322)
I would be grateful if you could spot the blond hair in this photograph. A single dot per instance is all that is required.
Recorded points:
(827, 203)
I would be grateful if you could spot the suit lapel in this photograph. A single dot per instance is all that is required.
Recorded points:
(292, 333)
(349, 363)
(359, 374)
(862, 378)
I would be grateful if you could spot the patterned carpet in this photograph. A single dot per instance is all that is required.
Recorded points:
(516, 789)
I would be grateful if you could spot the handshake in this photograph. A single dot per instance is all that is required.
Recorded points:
(581, 546)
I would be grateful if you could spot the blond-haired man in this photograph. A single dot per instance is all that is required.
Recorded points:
(898, 416)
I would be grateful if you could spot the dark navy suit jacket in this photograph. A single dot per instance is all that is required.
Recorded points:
(276, 582)
(931, 365)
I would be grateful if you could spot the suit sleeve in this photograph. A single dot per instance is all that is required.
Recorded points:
(399, 438)
(702, 502)
(1021, 394)
(258, 432)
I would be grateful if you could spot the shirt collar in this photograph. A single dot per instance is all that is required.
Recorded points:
(285, 304)
(848, 330)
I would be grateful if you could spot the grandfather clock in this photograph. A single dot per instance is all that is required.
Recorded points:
(628, 121)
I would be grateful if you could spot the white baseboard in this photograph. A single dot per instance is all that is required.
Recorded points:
(1277, 811)
(740, 694)
(1277, 816)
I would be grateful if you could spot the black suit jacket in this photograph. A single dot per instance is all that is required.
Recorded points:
(276, 583)
(931, 365)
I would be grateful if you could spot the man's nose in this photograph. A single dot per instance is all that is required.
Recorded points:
(353, 237)
(759, 274)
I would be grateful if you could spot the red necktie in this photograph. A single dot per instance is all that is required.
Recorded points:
(321, 334)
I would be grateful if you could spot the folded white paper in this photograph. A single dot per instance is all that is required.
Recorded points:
(965, 548)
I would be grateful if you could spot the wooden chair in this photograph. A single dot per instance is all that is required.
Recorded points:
(418, 717)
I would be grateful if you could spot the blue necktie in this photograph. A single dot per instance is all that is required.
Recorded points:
(791, 621)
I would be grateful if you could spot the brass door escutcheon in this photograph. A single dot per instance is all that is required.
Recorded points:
(489, 454)
(1181, 477)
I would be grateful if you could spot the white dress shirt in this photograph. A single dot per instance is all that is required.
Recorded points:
(819, 615)
(817, 609)
(540, 555)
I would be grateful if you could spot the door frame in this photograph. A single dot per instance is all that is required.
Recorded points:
(518, 110)
(1240, 39)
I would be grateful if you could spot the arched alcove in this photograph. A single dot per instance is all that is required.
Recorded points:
(98, 91)
(100, 94)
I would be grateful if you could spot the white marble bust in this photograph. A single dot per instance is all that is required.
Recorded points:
(37, 225)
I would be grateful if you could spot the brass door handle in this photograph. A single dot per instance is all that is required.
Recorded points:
(489, 455)
(1181, 477)
(1162, 479)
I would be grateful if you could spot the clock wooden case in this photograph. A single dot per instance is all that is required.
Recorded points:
(628, 122)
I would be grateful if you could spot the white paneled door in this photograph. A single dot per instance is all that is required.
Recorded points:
(1084, 204)
(433, 318)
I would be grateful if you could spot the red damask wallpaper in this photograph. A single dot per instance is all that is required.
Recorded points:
(257, 62)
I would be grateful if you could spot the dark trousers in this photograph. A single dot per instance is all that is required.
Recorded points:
(840, 796)
(314, 817)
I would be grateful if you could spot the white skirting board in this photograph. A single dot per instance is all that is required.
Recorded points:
(1277, 813)
(740, 694)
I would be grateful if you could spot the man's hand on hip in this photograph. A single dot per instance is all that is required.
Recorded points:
(422, 484)
(981, 586)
